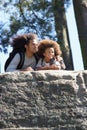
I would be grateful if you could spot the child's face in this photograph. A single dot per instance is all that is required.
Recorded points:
(49, 53)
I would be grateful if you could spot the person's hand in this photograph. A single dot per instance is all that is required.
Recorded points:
(59, 58)
(28, 69)
(55, 67)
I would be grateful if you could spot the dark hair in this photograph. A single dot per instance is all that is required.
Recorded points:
(46, 43)
(20, 41)
(43, 47)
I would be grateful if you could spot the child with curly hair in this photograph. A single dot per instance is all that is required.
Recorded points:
(50, 56)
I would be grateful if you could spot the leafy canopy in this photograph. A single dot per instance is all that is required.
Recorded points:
(24, 16)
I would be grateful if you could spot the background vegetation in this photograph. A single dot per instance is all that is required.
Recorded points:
(43, 17)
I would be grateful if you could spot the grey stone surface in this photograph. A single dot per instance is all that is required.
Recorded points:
(43, 100)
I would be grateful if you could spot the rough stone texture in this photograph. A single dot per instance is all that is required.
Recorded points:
(43, 100)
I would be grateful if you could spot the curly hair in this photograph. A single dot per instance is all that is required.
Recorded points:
(20, 40)
(46, 43)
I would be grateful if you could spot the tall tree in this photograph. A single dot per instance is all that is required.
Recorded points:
(44, 17)
(61, 30)
(80, 7)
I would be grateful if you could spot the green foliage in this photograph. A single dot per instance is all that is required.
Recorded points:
(36, 16)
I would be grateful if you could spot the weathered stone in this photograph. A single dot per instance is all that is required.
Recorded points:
(43, 100)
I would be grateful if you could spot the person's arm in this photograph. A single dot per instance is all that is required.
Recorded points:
(50, 67)
(14, 63)
(27, 69)
(61, 61)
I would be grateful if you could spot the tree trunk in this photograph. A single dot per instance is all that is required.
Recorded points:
(62, 33)
(80, 7)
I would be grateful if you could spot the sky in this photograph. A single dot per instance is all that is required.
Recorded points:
(3, 58)
(74, 42)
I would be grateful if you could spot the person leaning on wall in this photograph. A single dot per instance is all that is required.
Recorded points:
(22, 57)
(50, 56)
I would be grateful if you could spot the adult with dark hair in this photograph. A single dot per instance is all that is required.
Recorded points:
(24, 49)
(50, 56)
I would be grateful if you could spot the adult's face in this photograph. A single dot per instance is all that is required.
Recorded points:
(32, 47)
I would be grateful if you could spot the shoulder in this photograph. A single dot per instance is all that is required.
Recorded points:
(14, 58)
(17, 56)
(40, 60)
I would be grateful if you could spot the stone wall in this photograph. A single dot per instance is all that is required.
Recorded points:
(43, 100)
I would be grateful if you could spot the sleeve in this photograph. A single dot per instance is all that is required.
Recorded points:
(13, 64)
(39, 64)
